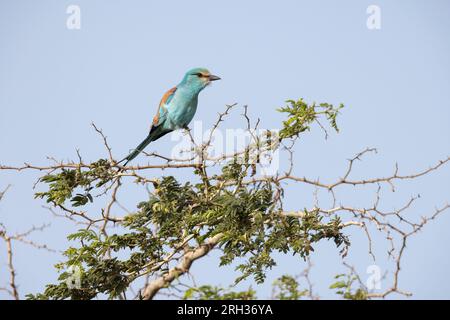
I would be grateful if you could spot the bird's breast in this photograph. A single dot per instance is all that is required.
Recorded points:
(181, 110)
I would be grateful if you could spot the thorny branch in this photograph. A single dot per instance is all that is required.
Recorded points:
(12, 288)
(365, 218)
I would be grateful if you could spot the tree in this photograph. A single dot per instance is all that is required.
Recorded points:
(231, 204)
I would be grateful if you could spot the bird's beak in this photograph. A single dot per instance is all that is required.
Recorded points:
(213, 77)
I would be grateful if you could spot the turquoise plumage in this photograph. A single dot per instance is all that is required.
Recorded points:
(176, 109)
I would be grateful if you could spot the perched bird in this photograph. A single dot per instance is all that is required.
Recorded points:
(176, 109)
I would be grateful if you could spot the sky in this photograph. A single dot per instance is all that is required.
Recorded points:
(394, 82)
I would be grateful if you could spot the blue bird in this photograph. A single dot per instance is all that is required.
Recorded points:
(176, 109)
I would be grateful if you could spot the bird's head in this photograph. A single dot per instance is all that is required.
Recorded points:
(198, 78)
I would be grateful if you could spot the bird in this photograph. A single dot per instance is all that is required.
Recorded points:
(176, 109)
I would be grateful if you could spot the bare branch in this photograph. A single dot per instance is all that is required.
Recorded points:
(183, 267)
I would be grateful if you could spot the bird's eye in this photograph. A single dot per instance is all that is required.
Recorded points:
(199, 75)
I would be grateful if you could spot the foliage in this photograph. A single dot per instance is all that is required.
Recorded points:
(345, 287)
(216, 293)
(301, 116)
(247, 216)
(62, 185)
(287, 288)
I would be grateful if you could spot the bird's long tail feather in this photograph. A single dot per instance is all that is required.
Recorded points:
(138, 149)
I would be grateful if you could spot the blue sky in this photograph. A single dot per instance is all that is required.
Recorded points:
(394, 82)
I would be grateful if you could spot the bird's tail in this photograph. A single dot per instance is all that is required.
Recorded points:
(138, 149)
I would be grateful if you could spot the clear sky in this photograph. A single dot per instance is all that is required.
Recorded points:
(395, 83)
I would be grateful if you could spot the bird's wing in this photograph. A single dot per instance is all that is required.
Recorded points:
(161, 112)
